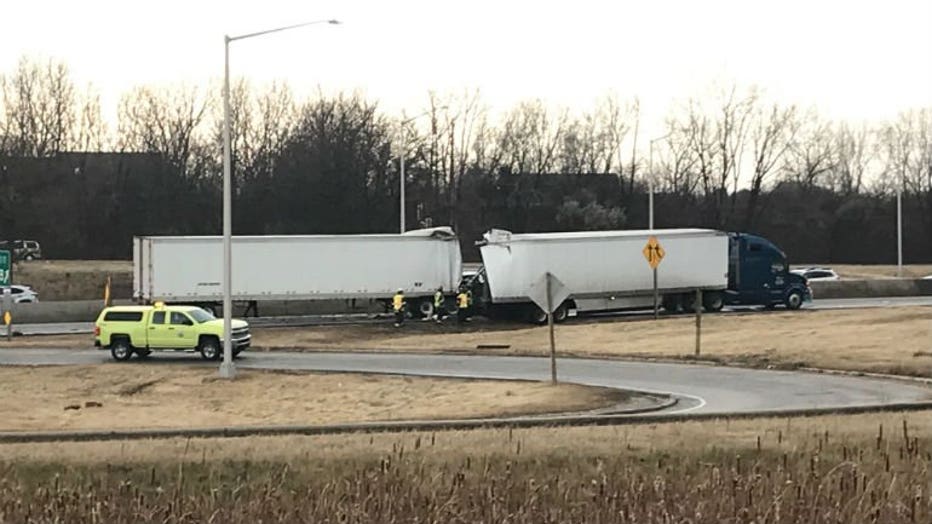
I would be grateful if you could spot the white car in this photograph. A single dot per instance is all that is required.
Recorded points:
(23, 294)
(816, 273)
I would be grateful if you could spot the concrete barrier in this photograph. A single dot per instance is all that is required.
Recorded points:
(893, 287)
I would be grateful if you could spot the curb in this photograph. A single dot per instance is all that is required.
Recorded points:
(442, 425)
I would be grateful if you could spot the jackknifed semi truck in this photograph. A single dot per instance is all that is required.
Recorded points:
(608, 271)
(600, 270)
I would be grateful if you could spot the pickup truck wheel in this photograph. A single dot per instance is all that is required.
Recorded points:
(794, 300)
(210, 349)
(120, 349)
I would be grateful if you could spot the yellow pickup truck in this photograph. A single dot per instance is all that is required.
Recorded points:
(126, 330)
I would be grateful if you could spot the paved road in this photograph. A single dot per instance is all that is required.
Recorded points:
(699, 388)
(61, 328)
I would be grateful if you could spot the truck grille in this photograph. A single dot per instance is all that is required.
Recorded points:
(241, 338)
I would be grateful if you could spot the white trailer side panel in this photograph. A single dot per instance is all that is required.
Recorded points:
(299, 267)
(604, 263)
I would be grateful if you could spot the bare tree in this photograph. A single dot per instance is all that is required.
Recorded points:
(811, 158)
(168, 122)
(260, 125)
(530, 138)
(908, 149)
(592, 142)
(39, 115)
(91, 133)
(456, 123)
(699, 139)
(677, 162)
(775, 129)
(854, 150)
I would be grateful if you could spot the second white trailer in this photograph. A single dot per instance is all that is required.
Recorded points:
(603, 270)
(298, 267)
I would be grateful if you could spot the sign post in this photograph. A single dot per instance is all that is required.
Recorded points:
(553, 344)
(548, 292)
(698, 319)
(654, 254)
(6, 279)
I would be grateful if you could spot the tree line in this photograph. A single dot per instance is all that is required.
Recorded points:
(733, 159)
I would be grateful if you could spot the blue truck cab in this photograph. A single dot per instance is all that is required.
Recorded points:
(758, 274)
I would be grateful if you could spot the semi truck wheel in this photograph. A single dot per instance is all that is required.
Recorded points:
(120, 349)
(794, 300)
(426, 308)
(210, 348)
(536, 315)
(713, 302)
(670, 303)
(688, 302)
(561, 313)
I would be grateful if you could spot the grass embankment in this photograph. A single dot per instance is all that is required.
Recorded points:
(75, 279)
(869, 468)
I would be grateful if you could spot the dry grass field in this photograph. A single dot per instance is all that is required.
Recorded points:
(117, 396)
(865, 468)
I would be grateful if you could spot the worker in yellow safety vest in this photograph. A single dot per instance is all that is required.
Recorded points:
(463, 301)
(438, 305)
(398, 305)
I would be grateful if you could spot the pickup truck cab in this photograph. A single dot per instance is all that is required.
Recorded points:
(126, 330)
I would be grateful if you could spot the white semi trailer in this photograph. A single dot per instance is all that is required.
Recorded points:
(602, 270)
(298, 267)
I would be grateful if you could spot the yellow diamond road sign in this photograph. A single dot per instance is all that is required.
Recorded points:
(653, 252)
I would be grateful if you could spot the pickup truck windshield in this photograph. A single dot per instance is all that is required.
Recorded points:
(200, 316)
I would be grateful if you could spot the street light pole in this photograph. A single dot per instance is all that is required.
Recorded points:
(899, 232)
(650, 181)
(227, 369)
(401, 180)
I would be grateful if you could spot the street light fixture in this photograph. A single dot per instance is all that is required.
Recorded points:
(650, 181)
(227, 369)
(401, 181)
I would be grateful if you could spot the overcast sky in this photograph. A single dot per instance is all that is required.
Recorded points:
(855, 60)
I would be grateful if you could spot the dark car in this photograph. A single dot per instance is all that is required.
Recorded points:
(22, 249)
